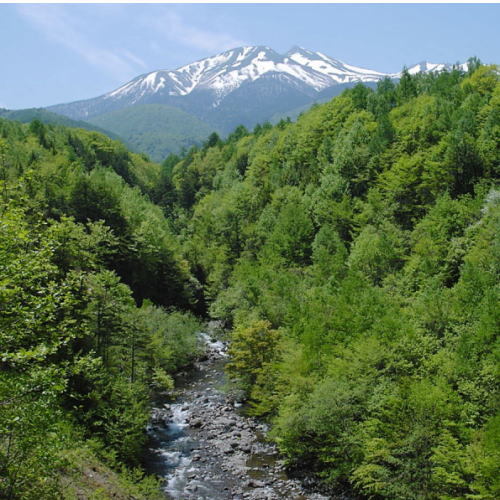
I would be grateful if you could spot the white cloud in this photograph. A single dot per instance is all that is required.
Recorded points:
(173, 27)
(56, 24)
(132, 57)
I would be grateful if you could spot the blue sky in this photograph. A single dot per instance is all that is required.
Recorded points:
(52, 53)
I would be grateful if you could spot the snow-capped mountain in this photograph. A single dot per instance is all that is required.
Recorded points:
(239, 86)
(427, 67)
(336, 71)
(226, 72)
(202, 86)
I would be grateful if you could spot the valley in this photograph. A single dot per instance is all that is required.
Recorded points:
(349, 257)
(205, 448)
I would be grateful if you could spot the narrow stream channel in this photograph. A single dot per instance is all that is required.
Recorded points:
(205, 449)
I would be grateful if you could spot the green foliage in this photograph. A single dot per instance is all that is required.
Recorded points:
(377, 251)
(355, 255)
(252, 348)
(162, 380)
(287, 228)
(47, 117)
(172, 342)
(81, 246)
(154, 129)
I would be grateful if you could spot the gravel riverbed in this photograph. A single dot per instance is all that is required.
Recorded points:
(205, 448)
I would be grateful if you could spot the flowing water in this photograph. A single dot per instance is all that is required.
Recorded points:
(205, 448)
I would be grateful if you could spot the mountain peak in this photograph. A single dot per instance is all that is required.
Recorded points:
(223, 73)
(297, 48)
(202, 86)
(428, 67)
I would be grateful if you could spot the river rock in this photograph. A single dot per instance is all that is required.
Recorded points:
(214, 451)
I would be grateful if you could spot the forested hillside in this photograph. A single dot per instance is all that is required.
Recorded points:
(87, 265)
(155, 129)
(355, 256)
(30, 114)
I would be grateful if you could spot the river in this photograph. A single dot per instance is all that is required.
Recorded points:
(206, 449)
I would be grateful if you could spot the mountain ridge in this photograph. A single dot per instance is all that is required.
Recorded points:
(241, 86)
(213, 78)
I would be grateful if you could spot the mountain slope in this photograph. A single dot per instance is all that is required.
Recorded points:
(155, 129)
(355, 255)
(203, 87)
(321, 98)
(245, 85)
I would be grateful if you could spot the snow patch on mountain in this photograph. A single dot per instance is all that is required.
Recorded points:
(337, 71)
(428, 67)
(200, 87)
(225, 72)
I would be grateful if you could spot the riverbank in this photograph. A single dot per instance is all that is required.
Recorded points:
(206, 449)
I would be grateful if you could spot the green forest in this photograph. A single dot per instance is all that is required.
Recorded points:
(353, 256)
(155, 129)
(95, 298)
